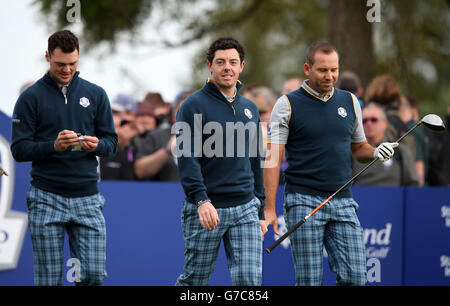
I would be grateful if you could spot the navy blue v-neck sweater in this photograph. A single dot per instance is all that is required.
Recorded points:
(318, 148)
(41, 112)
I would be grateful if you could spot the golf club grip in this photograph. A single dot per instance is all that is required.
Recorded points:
(285, 235)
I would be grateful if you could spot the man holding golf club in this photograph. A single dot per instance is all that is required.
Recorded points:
(320, 128)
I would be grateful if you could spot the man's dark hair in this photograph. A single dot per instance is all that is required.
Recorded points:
(225, 43)
(64, 39)
(321, 46)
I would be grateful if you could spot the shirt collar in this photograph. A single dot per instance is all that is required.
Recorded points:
(315, 93)
(232, 98)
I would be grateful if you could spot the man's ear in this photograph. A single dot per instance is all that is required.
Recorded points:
(306, 69)
(47, 56)
(242, 65)
(208, 63)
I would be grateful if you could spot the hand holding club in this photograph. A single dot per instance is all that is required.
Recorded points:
(385, 151)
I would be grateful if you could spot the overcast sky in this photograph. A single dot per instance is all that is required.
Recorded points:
(133, 70)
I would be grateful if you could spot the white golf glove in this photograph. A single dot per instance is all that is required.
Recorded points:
(385, 151)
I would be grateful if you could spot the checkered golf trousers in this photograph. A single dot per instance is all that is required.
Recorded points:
(335, 226)
(240, 230)
(49, 216)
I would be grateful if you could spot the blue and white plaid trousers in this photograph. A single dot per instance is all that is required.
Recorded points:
(335, 226)
(49, 216)
(240, 229)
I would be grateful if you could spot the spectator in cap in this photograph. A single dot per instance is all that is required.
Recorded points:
(146, 123)
(120, 166)
(125, 106)
(162, 110)
(145, 117)
(124, 109)
(154, 158)
(348, 80)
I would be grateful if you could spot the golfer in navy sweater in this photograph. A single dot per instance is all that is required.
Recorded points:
(61, 124)
(219, 160)
(320, 127)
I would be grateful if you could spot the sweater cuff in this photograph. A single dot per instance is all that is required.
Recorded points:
(199, 196)
(99, 149)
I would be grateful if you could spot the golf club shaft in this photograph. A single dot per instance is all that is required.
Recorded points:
(300, 223)
(292, 229)
(409, 131)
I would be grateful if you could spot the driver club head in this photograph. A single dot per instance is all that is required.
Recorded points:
(433, 122)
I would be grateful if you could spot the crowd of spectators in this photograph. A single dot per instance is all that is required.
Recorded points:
(145, 140)
(422, 159)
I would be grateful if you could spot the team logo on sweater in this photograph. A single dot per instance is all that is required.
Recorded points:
(342, 112)
(248, 113)
(84, 102)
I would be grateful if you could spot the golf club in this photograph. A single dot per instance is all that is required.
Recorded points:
(431, 121)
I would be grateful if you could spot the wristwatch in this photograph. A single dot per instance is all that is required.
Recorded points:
(202, 201)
